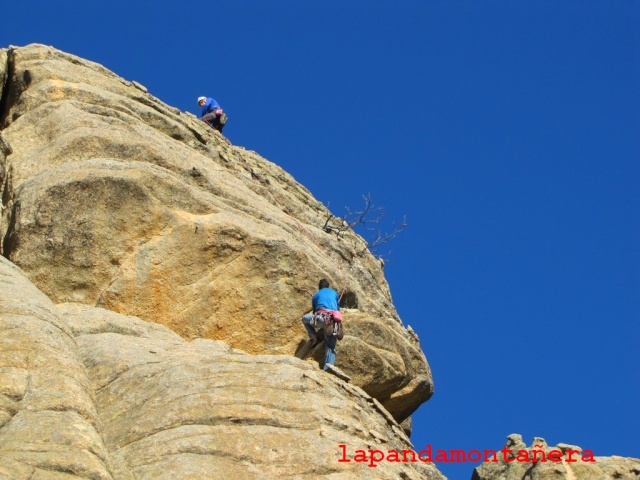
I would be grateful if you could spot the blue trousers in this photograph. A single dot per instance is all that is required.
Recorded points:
(329, 341)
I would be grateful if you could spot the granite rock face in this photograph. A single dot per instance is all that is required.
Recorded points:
(48, 417)
(562, 462)
(111, 198)
(89, 393)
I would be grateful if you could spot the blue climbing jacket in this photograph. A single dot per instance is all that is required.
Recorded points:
(209, 106)
(326, 298)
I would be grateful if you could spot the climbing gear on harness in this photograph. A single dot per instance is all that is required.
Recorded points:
(332, 322)
(321, 317)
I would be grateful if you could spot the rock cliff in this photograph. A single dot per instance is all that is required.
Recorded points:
(152, 280)
(113, 199)
(151, 305)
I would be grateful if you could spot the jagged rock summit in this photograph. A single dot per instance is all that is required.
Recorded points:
(114, 202)
(540, 461)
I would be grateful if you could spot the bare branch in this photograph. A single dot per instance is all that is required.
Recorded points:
(363, 217)
(367, 218)
(381, 238)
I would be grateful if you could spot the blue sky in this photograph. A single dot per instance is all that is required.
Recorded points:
(507, 133)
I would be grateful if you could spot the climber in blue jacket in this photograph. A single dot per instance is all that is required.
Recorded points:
(325, 300)
(212, 113)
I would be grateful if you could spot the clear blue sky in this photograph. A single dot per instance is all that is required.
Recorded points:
(506, 131)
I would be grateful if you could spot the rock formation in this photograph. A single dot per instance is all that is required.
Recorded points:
(113, 199)
(150, 308)
(562, 462)
(89, 393)
(151, 300)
